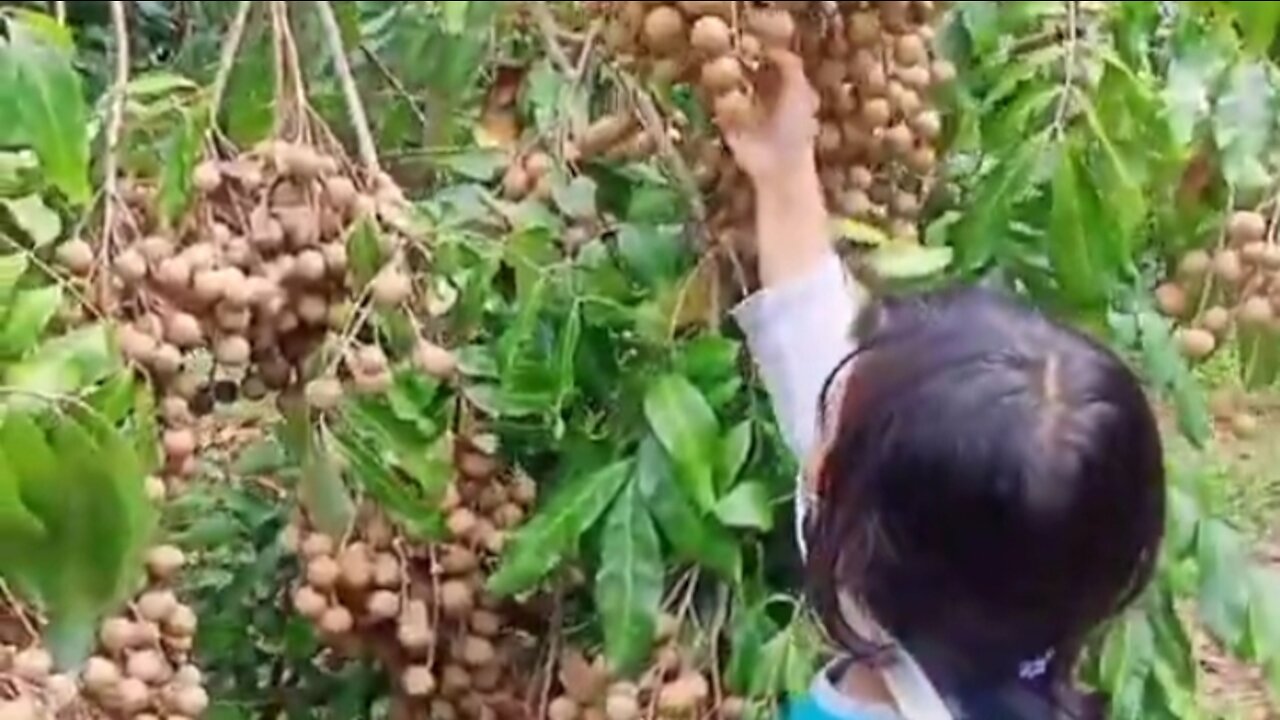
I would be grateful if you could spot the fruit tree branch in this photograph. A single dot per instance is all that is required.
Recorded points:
(355, 108)
(115, 126)
(227, 61)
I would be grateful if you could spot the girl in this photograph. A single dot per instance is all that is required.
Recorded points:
(983, 487)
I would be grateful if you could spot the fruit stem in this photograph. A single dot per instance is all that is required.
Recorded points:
(355, 108)
(227, 61)
(115, 127)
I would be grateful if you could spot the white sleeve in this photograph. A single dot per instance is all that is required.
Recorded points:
(798, 332)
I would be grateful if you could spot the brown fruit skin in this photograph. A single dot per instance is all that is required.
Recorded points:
(774, 27)
(664, 29)
(711, 35)
(733, 109)
(1194, 265)
(1244, 425)
(76, 256)
(876, 113)
(563, 708)
(436, 361)
(1195, 344)
(1216, 320)
(206, 177)
(1246, 226)
(1256, 312)
(721, 74)
(516, 182)
(1227, 267)
(1172, 300)
(911, 50)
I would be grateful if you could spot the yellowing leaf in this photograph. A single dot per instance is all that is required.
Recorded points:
(858, 232)
(40, 223)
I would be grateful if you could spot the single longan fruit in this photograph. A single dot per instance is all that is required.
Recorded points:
(563, 708)
(911, 49)
(183, 330)
(340, 192)
(317, 544)
(863, 28)
(117, 634)
(337, 620)
(76, 256)
(156, 605)
(176, 411)
(733, 708)
(33, 665)
(1256, 312)
(1172, 300)
(386, 570)
(1246, 226)
(1194, 265)
(179, 443)
(164, 561)
(899, 139)
(721, 74)
(516, 182)
(922, 160)
(774, 27)
(383, 605)
(622, 707)
(1228, 267)
(149, 666)
(927, 125)
(207, 177)
(309, 266)
(322, 572)
(233, 351)
(156, 248)
(132, 695)
(733, 109)
(1244, 425)
(130, 266)
(324, 394)
(418, 682)
(167, 360)
(1254, 253)
(100, 675)
(188, 676)
(457, 598)
(182, 622)
(663, 29)
(391, 288)
(356, 567)
(415, 637)
(943, 72)
(370, 360)
(459, 561)
(1195, 344)
(436, 361)
(478, 652)
(711, 35)
(876, 113)
(190, 701)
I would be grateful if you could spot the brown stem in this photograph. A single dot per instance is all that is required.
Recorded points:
(227, 61)
(355, 108)
(115, 127)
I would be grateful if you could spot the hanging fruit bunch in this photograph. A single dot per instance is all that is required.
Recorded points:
(421, 608)
(1231, 288)
(872, 64)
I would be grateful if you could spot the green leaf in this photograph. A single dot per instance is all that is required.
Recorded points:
(629, 583)
(1127, 658)
(455, 17)
(554, 530)
(422, 521)
(364, 248)
(27, 319)
(686, 426)
(543, 94)
(12, 268)
(1242, 125)
(907, 261)
(735, 450)
(1258, 22)
(986, 220)
(578, 198)
(751, 629)
(1186, 90)
(320, 488)
(182, 150)
(1076, 262)
(49, 103)
(1264, 615)
(40, 224)
(1224, 599)
(695, 538)
(651, 252)
(747, 506)
(159, 83)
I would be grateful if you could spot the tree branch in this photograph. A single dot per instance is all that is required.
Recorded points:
(227, 61)
(355, 108)
(115, 127)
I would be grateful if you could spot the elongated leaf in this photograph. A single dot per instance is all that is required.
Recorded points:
(685, 425)
(31, 312)
(1264, 616)
(40, 223)
(159, 83)
(49, 103)
(1258, 23)
(747, 506)
(176, 178)
(905, 261)
(1224, 599)
(422, 521)
(12, 267)
(554, 530)
(751, 629)
(695, 538)
(1242, 125)
(629, 583)
(320, 488)
(1186, 91)
(1128, 655)
(986, 219)
(1077, 263)
(735, 450)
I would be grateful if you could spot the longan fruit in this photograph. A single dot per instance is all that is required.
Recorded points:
(322, 572)
(733, 708)
(1256, 312)
(310, 266)
(117, 634)
(927, 125)
(324, 394)
(478, 652)
(100, 675)
(863, 28)
(415, 637)
(876, 113)
(721, 75)
(1196, 344)
(663, 29)
(383, 605)
(1254, 253)
(76, 255)
(911, 49)
(391, 288)
(336, 620)
(386, 571)
(183, 330)
(1244, 425)
(899, 139)
(457, 598)
(207, 177)
(458, 560)
(922, 160)
(182, 622)
(317, 544)
(942, 71)
(563, 708)
(719, 8)
(188, 676)
(733, 109)
(434, 360)
(711, 35)
(309, 602)
(33, 664)
(179, 443)
(622, 707)
(233, 351)
(356, 568)
(149, 666)
(190, 701)
(369, 360)
(774, 27)
(516, 182)
(417, 681)
(156, 605)
(1172, 300)
(1228, 267)
(1194, 265)
(132, 695)
(167, 360)
(340, 192)
(1246, 226)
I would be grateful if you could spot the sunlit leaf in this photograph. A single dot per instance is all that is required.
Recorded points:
(12, 268)
(40, 223)
(27, 318)
(1186, 92)
(1128, 655)
(364, 250)
(539, 546)
(181, 152)
(1242, 125)
(986, 219)
(747, 506)
(735, 449)
(159, 83)
(49, 102)
(695, 538)
(629, 583)
(687, 428)
(1072, 242)
(1224, 600)
(906, 261)
(577, 199)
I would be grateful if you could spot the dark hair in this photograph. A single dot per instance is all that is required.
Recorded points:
(994, 489)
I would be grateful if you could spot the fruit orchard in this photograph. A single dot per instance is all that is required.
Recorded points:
(370, 359)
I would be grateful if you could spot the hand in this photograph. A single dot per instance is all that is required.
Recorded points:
(782, 142)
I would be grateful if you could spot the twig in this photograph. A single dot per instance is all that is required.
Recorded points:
(230, 49)
(355, 109)
(1069, 69)
(395, 84)
(18, 611)
(651, 119)
(550, 30)
(553, 652)
(115, 126)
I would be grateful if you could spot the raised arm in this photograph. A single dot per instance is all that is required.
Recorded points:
(799, 326)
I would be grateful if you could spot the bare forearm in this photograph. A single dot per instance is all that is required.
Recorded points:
(791, 225)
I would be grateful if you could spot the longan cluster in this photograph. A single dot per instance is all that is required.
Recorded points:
(1236, 286)
(673, 688)
(142, 668)
(872, 64)
(422, 609)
